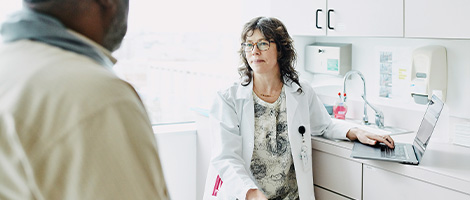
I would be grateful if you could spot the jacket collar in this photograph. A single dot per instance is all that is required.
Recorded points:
(291, 86)
(32, 25)
(244, 92)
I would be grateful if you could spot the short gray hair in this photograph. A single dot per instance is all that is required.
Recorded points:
(36, 1)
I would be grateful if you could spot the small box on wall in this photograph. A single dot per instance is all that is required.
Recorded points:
(328, 58)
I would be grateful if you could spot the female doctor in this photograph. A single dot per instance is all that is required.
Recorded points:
(262, 125)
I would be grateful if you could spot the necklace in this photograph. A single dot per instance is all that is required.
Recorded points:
(263, 95)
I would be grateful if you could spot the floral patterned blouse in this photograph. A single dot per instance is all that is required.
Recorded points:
(272, 164)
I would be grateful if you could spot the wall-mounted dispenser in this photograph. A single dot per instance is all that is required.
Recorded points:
(429, 73)
(328, 58)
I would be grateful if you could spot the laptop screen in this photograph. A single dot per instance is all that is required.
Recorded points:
(426, 128)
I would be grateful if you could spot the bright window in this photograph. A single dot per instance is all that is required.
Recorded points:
(177, 53)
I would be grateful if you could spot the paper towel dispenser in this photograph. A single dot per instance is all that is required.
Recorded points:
(328, 58)
(429, 73)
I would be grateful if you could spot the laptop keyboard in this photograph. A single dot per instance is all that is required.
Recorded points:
(397, 152)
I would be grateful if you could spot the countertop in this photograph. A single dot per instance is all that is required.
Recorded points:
(443, 164)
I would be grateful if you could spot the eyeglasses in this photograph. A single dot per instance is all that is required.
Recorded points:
(262, 45)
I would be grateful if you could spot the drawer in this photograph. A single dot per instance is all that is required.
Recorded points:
(322, 194)
(378, 182)
(338, 174)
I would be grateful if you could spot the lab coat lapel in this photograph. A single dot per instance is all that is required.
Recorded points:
(297, 116)
(247, 120)
(294, 119)
(291, 101)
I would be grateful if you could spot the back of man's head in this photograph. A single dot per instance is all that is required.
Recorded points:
(36, 1)
(57, 8)
(104, 21)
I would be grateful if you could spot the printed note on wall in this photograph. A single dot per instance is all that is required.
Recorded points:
(386, 73)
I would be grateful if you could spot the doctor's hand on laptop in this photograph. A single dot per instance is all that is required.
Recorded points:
(366, 137)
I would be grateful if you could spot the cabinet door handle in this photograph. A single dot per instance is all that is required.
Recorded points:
(316, 23)
(329, 11)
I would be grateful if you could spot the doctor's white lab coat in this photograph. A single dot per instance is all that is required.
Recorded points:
(232, 121)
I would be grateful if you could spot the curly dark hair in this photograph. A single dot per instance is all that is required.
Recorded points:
(272, 29)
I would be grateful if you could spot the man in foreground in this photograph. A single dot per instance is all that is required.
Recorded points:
(69, 128)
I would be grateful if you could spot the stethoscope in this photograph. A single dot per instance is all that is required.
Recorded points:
(303, 149)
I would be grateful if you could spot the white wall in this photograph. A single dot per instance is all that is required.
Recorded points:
(402, 110)
(364, 59)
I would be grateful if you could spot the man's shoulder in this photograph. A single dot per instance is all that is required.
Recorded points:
(52, 72)
(92, 83)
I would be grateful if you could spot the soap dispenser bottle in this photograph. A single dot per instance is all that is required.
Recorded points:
(340, 108)
(429, 73)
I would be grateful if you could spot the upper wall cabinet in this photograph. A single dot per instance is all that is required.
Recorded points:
(372, 18)
(437, 19)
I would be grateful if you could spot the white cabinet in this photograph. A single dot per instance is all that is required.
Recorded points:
(373, 18)
(177, 150)
(442, 174)
(437, 19)
(376, 18)
(203, 151)
(382, 184)
(323, 194)
(365, 18)
(337, 174)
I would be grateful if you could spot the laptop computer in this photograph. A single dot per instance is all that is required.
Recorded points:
(404, 153)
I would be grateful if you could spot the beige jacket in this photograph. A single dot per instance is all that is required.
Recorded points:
(71, 129)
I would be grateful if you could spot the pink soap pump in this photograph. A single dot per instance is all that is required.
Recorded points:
(340, 108)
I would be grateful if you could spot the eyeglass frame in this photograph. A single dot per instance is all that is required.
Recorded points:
(256, 44)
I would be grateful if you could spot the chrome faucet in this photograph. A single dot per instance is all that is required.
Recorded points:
(379, 117)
